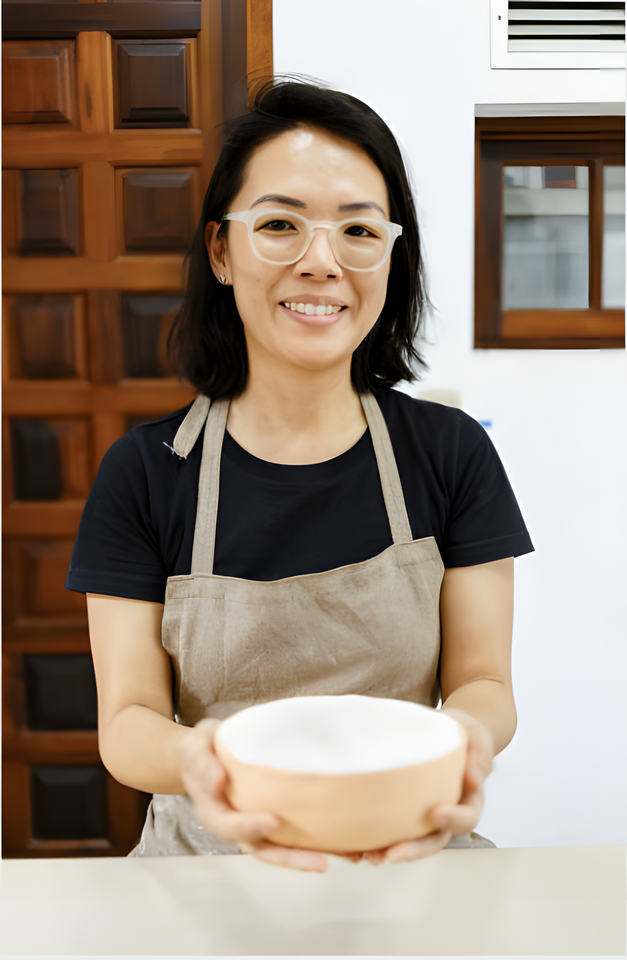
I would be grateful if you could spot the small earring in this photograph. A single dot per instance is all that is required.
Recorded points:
(222, 278)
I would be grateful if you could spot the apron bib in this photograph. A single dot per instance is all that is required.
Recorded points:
(370, 628)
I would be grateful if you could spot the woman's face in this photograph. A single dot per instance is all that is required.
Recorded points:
(321, 177)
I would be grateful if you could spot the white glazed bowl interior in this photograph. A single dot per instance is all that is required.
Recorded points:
(341, 735)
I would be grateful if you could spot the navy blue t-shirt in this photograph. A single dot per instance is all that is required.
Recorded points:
(277, 520)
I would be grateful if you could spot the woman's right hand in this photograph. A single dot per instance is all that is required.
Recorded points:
(205, 778)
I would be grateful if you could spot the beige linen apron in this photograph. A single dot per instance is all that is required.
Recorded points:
(368, 628)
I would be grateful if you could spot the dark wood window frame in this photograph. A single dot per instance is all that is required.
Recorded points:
(541, 141)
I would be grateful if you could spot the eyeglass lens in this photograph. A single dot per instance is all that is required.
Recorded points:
(358, 244)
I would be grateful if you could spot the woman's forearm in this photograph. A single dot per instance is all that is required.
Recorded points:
(140, 748)
(492, 704)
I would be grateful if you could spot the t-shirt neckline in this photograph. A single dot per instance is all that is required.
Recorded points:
(326, 469)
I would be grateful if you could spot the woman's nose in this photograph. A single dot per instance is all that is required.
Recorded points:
(318, 260)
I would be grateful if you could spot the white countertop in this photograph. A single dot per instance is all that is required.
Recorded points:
(541, 902)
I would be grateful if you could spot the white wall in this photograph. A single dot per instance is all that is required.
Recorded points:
(559, 417)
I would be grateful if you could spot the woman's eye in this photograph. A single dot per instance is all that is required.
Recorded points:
(277, 226)
(357, 230)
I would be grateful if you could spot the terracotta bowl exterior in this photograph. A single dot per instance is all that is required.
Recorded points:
(339, 813)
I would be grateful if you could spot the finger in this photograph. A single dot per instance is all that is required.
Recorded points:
(375, 857)
(459, 819)
(214, 811)
(476, 771)
(309, 861)
(237, 827)
(418, 849)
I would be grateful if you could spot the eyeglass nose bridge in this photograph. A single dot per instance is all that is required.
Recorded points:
(320, 225)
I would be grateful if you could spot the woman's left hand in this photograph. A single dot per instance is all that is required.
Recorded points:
(450, 820)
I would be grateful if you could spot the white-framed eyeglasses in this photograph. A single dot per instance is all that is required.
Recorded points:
(282, 237)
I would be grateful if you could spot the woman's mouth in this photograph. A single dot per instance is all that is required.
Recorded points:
(312, 313)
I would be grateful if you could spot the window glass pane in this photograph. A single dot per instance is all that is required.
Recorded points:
(613, 284)
(545, 238)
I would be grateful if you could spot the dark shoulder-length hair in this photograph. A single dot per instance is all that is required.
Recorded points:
(208, 337)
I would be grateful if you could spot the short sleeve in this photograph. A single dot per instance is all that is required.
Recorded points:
(485, 522)
(116, 551)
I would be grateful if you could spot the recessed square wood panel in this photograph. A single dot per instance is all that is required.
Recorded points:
(68, 802)
(36, 460)
(158, 209)
(45, 338)
(60, 692)
(38, 81)
(37, 570)
(50, 225)
(51, 458)
(146, 323)
(11, 212)
(153, 83)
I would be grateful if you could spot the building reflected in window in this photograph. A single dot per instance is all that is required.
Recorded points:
(545, 238)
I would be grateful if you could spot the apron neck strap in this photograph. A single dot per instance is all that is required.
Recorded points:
(209, 488)
(388, 471)
(214, 415)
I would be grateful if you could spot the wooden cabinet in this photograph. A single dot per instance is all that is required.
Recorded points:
(110, 137)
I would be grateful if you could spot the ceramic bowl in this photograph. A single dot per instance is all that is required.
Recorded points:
(344, 773)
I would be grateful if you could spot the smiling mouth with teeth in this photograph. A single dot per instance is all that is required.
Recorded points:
(310, 308)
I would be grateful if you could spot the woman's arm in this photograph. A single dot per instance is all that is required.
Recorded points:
(142, 746)
(476, 612)
(138, 738)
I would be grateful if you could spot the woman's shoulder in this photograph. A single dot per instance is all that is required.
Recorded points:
(148, 441)
(155, 432)
(425, 422)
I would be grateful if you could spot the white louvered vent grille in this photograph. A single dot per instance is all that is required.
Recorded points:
(576, 27)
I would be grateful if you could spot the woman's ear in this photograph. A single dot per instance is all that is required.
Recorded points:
(217, 252)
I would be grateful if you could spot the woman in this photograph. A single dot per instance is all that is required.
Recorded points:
(341, 537)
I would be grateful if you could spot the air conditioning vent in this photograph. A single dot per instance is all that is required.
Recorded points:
(574, 27)
(557, 34)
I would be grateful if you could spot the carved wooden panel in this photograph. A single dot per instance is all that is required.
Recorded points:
(68, 802)
(51, 458)
(123, 810)
(38, 81)
(46, 338)
(146, 323)
(36, 571)
(157, 210)
(105, 336)
(60, 692)
(11, 212)
(152, 83)
(50, 206)
(36, 460)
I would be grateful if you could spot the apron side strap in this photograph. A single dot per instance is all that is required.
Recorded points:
(209, 488)
(388, 471)
(189, 431)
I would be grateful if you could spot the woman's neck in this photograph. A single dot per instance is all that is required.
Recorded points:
(301, 417)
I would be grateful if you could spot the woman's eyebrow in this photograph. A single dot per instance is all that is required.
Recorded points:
(365, 205)
(278, 198)
(292, 202)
